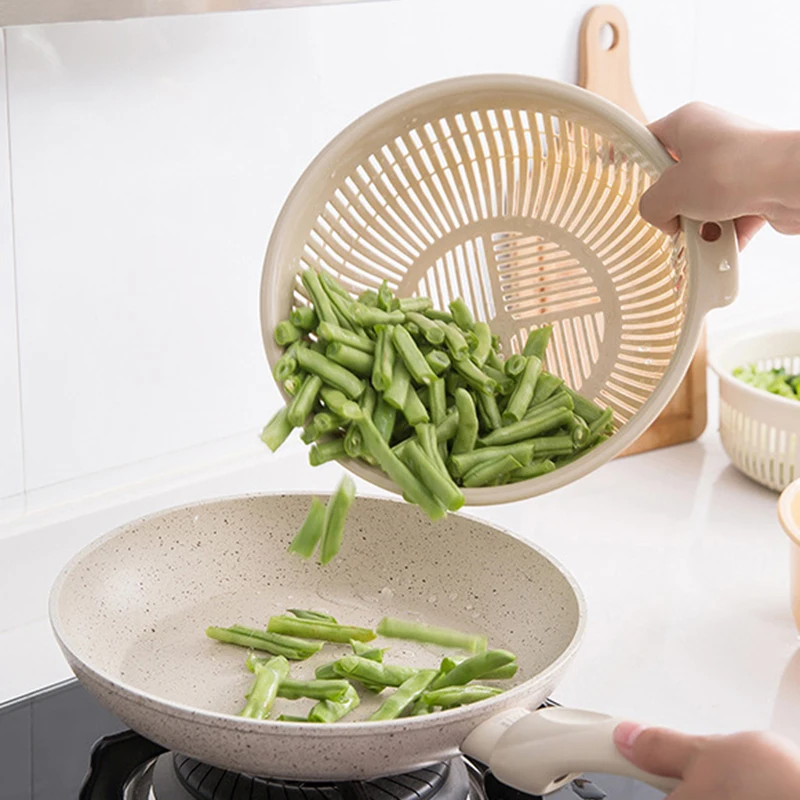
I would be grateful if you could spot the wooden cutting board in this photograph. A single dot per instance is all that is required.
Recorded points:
(605, 70)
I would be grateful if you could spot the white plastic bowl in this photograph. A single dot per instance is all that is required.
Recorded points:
(759, 430)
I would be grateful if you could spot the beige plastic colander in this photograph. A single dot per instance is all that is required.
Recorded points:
(519, 195)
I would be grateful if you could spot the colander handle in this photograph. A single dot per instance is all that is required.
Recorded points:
(717, 263)
(538, 752)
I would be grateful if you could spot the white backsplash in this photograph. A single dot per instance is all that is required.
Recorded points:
(149, 159)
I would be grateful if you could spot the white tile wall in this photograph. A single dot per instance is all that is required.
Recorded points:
(11, 466)
(150, 160)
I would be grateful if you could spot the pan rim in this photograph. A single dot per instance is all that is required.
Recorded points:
(363, 728)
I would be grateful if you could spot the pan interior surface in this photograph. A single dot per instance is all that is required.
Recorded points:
(134, 606)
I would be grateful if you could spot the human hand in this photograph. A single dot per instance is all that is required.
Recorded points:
(728, 169)
(743, 766)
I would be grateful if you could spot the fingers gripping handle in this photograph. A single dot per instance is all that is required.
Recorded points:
(541, 751)
(717, 263)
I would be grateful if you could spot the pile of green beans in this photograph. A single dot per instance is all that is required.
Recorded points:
(409, 388)
(335, 685)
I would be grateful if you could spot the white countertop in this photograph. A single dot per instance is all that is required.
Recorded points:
(683, 563)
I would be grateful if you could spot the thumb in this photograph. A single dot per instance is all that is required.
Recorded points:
(656, 750)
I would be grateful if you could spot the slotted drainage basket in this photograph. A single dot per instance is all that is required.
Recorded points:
(759, 430)
(521, 196)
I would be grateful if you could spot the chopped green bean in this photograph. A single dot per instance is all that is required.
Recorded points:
(533, 470)
(537, 342)
(304, 317)
(369, 297)
(370, 317)
(335, 333)
(367, 651)
(407, 693)
(293, 383)
(484, 473)
(558, 400)
(584, 407)
(414, 409)
(452, 696)
(505, 384)
(398, 389)
(438, 400)
(311, 531)
(474, 376)
(515, 365)
(496, 360)
(286, 333)
(467, 433)
(339, 404)
(483, 333)
(315, 616)
(291, 718)
(579, 431)
(438, 482)
(448, 427)
(474, 668)
(454, 338)
(286, 365)
(602, 424)
(546, 386)
(462, 463)
(291, 689)
(438, 315)
(415, 362)
(322, 452)
(531, 426)
(491, 413)
(439, 361)
(384, 418)
(416, 304)
(290, 647)
(426, 434)
(502, 673)
(357, 361)
(327, 631)
(334, 374)
(304, 400)
(462, 316)
(332, 286)
(385, 296)
(419, 632)
(523, 394)
(429, 329)
(454, 382)
(326, 672)
(384, 372)
(277, 430)
(265, 687)
(364, 670)
(319, 297)
(330, 711)
(335, 518)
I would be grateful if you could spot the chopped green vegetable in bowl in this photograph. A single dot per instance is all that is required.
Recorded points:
(775, 381)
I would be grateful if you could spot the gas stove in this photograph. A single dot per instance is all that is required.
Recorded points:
(58, 726)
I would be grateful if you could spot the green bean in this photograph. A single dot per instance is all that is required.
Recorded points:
(327, 631)
(311, 531)
(438, 315)
(481, 352)
(495, 360)
(315, 616)
(455, 341)
(265, 687)
(462, 463)
(304, 317)
(286, 365)
(407, 693)
(367, 651)
(335, 333)
(559, 400)
(384, 418)
(471, 339)
(474, 668)
(452, 696)
(277, 430)
(474, 376)
(286, 333)
(505, 385)
(379, 449)
(398, 389)
(319, 297)
(291, 689)
(502, 673)
(437, 481)
(370, 317)
(335, 518)
(546, 386)
(439, 361)
(584, 407)
(322, 452)
(330, 711)
(415, 362)
(332, 286)
(537, 342)
(326, 672)
(429, 329)
(515, 365)
(377, 378)
(339, 404)
(317, 346)
(357, 361)
(291, 718)
(382, 378)
(523, 394)
(462, 316)
(333, 374)
(579, 431)
(431, 634)
(561, 461)
(437, 399)
(448, 427)
(533, 470)
(414, 409)
(426, 435)
(364, 670)
(484, 473)
(385, 296)
(304, 400)
(467, 433)
(369, 297)
(416, 304)
(602, 424)
(454, 382)
(531, 426)
(293, 383)
(488, 405)
(290, 647)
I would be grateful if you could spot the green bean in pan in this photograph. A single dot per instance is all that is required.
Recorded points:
(326, 631)
(314, 616)
(474, 668)
(291, 647)
(333, 374)
(308, 537)
(319, 297)
(405, 695)
(429, 329)
(462, 316)
(264, 690)
(286, 333)
(452, 696)
(467, 432)
(418, 632)
(537, 341)
(529, 427)
(326, 672)
(291, 718)
(335, 333)
(372, 672)
(322, 452)
(504, 673)
(521, 399)
(291, 689)
(367, 651)
(485, 473)
(304, 400)
(332, 711)
(335, 519)
(277, 430)
(304, 317)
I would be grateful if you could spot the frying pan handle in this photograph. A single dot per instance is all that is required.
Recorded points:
(538, 752)
(717, 262)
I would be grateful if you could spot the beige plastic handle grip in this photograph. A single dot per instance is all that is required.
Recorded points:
(538, 752)
(717, 263)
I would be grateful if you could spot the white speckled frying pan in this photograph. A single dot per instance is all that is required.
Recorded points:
(130, 611)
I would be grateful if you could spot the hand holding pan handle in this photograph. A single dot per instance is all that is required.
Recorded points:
(540, 751)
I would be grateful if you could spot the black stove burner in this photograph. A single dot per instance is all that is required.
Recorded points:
(445, 781)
